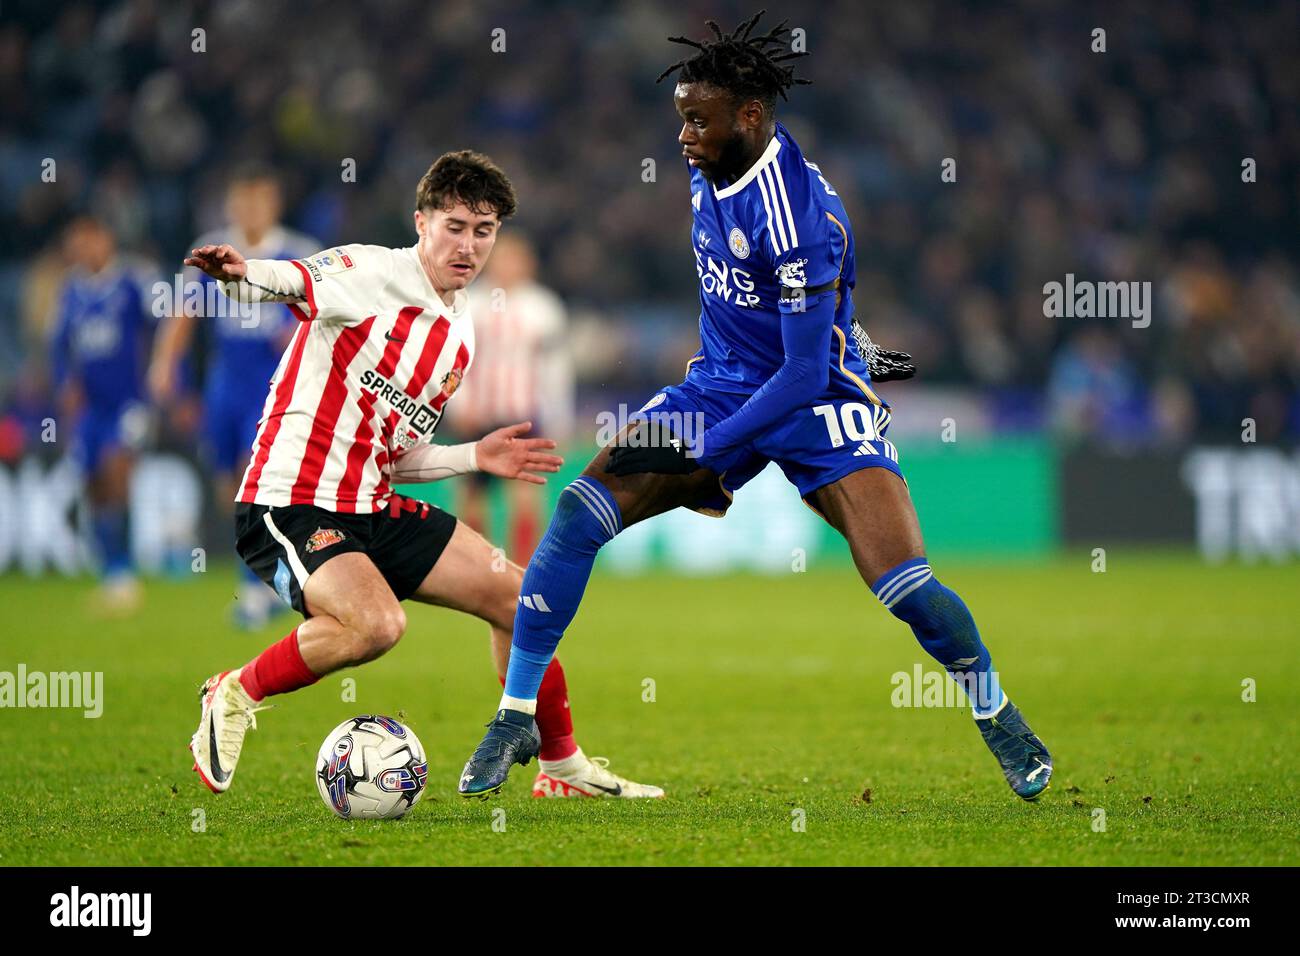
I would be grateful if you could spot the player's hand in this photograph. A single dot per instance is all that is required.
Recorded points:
(884, 365)
(667, 457)
(223, 262)
(506, 454)
(888, 365)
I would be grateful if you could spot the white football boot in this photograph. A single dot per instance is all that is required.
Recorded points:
(581, 776)
(227, 716)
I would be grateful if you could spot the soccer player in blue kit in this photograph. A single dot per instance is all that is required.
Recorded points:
(99, 348)
(779, 377)
(244, 350)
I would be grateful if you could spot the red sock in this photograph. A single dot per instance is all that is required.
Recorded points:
(523, 536)
(277, 670)
(554, 722)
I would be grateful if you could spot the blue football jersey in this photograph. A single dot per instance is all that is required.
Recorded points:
(103, 333)
(764, 245)
(243, 354)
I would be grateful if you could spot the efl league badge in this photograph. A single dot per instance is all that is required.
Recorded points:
(739, 244)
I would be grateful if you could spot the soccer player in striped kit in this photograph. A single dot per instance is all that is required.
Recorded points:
(383, 342)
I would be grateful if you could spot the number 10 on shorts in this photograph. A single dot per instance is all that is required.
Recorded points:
(857, 418)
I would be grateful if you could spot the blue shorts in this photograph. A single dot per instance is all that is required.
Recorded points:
(836, 435)
(100, 432)
(229, 426)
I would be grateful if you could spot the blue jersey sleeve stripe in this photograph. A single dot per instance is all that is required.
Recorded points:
(773, 214)
(785, 204)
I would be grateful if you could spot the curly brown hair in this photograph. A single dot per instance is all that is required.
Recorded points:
(468, 177)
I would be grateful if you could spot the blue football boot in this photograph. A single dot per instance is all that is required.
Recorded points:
(512, 738)
(1024, 760)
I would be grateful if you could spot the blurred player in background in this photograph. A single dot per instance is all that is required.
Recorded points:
(243, 351)
(101, 340)
(524, 372)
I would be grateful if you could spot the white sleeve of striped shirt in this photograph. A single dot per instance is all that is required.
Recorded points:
(435, 462)
(268, 280)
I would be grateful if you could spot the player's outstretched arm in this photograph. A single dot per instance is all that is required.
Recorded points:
(504, 453)
(250, 280)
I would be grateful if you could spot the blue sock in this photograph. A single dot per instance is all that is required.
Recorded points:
(586, 517)
(944, 626)
(111, 538)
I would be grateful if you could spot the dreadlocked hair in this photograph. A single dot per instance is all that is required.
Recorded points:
(747, 66)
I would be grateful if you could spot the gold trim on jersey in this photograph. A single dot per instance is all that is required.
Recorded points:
(844, 345)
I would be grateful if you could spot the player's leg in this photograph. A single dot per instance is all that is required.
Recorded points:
(873, 510)
(590, 511)
(110, 487)
(316, 561)
(474, 577)
(256, 603)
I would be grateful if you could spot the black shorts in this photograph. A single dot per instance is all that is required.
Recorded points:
(284, 545)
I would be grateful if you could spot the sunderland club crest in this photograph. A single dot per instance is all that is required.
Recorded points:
(323, 538)
(451, 381)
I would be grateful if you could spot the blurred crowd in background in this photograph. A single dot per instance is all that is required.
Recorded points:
(1122, 165)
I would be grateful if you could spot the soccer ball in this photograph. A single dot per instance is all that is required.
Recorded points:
(372, 768)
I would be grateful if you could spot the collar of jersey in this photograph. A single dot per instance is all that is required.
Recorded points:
(769, 156)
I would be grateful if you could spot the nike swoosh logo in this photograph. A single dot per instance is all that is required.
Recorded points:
(612, 791)
(218, 775)
(392, 338)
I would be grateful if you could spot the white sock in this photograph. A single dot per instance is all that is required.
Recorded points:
(574, 761)
(519, 704)
(997, 710)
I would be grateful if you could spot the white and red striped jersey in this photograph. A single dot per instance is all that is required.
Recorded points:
(376, 355)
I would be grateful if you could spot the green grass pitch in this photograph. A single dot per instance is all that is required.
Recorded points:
(772, 706)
